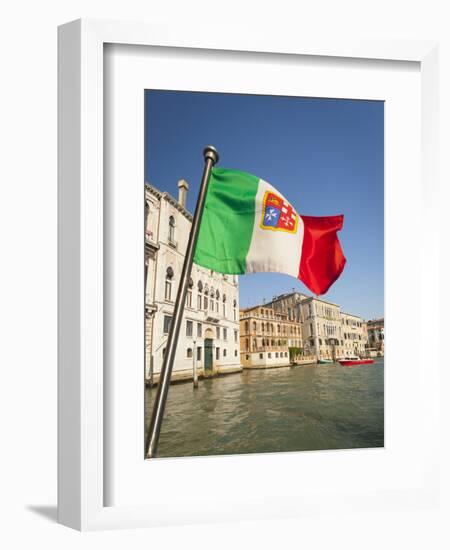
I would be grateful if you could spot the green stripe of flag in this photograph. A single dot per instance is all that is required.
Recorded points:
(227, 223)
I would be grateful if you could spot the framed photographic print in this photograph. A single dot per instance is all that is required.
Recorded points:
(231, 257)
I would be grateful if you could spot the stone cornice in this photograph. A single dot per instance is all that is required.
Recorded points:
(165, 195)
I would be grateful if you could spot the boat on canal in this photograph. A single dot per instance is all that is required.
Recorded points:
(324, 361)
(354, 361)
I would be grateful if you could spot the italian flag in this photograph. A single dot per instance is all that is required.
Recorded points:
(248, 226)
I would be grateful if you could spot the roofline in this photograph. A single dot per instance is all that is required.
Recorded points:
(353, 315)
(321, 300)
(165, 195)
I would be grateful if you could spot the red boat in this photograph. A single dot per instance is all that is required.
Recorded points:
(353, 361)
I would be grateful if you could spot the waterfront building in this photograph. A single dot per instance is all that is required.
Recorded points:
(375, 333)
(355, 335)
(324, 326)
(266, 336)
(209, 334)
(320, 321)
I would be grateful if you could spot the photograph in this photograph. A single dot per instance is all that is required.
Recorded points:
(264, 273)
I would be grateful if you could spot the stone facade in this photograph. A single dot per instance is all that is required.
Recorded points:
(324, 326)
(375, 332)
(209, 334)
(266, 337)
(355, 334)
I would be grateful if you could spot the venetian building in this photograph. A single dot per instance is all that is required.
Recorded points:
(209, 334)
(322, 328)
(355, 335)
(320, 321)
(375, 333)
(266, 337)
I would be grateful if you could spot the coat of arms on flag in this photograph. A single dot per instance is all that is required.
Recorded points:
(277, 214)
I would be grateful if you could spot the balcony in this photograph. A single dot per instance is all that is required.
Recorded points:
(267, 348)
(150, 240)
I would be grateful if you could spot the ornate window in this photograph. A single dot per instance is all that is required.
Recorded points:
(189, 292)
(168, 287)
(199, 295)
(147, 216)
(172, 230)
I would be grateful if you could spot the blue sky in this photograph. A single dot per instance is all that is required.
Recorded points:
(326, 156)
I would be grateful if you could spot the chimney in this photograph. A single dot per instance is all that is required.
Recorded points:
(182, 192)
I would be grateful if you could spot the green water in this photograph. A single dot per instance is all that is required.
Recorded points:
(285, 409)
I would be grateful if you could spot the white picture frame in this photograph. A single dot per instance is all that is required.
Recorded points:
(81, 464)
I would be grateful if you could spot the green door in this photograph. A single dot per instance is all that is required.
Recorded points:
(208, 355)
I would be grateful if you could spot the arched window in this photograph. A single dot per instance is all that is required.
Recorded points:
(205, 299)
(189, 353)
(217, 300)
(199, 295)
(172, 230)
(224, 299)
(168, 288)
(147, 217)
(234, 309)
(246, 327)
(189, 292)
(254, 326)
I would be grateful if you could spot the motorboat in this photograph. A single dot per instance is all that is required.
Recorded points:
(353, 361)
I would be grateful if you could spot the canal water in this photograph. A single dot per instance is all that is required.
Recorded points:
(283, 409)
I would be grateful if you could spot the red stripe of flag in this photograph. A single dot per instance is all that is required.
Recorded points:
(322, 258)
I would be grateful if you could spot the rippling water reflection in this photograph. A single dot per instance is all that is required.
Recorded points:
(285, 409)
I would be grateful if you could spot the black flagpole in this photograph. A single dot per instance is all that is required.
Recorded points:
(151, 444)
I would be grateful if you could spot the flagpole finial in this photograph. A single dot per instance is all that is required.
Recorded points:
(211, 152)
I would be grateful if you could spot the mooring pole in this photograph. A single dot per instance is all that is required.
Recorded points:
(211, 157)
(194, 365)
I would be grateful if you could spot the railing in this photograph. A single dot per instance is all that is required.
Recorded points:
(276, 317)
(266, 348)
